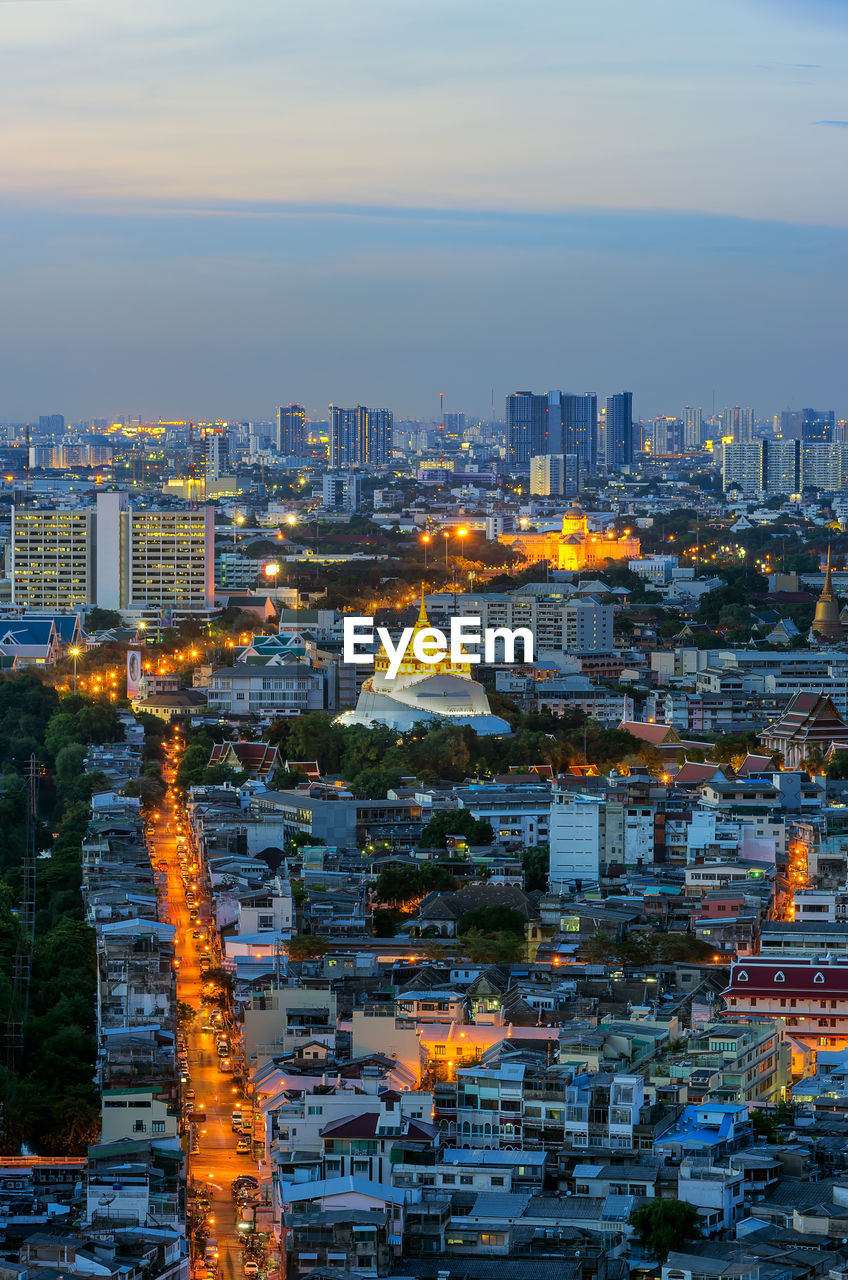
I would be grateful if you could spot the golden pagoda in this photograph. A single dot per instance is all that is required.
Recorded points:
(410, 666)
(826, 622)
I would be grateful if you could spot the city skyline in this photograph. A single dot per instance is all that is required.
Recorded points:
(203, 206)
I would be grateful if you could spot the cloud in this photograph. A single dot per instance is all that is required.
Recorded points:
(833, 124)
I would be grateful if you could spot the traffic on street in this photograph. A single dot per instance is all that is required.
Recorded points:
(222, 1169)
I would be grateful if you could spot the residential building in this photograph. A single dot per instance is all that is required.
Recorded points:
(526, 428)
(291, 430)
(52, 558)
(618, 431)
(244, 690)
(360, 437)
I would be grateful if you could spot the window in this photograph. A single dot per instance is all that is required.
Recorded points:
(138, 1126)
(466, 1180)
(497, 1182)
(158, 1126)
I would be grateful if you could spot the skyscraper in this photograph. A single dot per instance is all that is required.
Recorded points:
(51, 424)
(526, 427)
(216, 455)
(738, 422)
(360, 437)
(618, 432)
(666, 436)
(573, 426)
(817, 425)
(692, 423)
(291, 429)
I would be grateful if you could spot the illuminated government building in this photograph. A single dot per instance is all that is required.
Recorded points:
(576, 547)
(441, 691)
(113, 556)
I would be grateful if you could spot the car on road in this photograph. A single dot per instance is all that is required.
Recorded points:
(244, 1147)
(236, 1121)
(250, 1269)
(190, 1094)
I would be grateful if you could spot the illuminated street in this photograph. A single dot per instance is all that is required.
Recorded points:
(214, 1162)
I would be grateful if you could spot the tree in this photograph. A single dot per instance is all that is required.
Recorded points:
(535, 864)
(103, 619)
(495, 919)
(455, 822)
(837, 769)
(305, 946)
(663, 1225)
(383, 923)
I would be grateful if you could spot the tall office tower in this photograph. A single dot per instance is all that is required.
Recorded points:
(291, 429)
(52, 558)
(618, 431)
(51, 424)
(216, 455)
(360, 437)
(554, 475)
(742, 467)
(526, 427)
(738, 422)
(790, 424)
(573, 426)
(781, 466)
(817, 425)
(692, 429)
(666, 436)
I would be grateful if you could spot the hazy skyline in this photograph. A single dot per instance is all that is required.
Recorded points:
(210, 208)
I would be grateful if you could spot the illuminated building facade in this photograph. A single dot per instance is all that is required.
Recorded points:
(113, 556)
(360, 437)
(291, 429)
(52, 558)
(576, 547)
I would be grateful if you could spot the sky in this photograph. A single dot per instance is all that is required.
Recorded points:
(208, 209)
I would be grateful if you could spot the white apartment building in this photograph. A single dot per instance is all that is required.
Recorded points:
(291, 690)
(575, 838)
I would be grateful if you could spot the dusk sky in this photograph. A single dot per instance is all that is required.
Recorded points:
(210, 208)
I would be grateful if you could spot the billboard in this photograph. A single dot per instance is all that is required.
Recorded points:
(133, 672)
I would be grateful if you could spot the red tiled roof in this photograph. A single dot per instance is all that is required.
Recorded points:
(254, 757)
(755, 764)
(658, 735)
(809, 717)
(777, 978)
(692, 772)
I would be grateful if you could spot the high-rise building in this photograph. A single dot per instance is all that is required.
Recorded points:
(216, 455)
(573, 426)
(666, 436)
(526, 428)
(360, 437)
(51, 424)
(817, 425)
(738, 422)
(692, 428)
(742, 467)
(340, 491)
(790, 424)
(781, 466)
(291, 429)
(113, 556)
(453, 426)
(554, 475)
(618, 431)
(52, 558)
(823, 466)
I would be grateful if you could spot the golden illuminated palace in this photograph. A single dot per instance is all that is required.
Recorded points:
(576, 547)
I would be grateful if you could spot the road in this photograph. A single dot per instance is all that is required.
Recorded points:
(214, 1161)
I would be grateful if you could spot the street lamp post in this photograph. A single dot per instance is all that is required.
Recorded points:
(272, 569)
(446, 536)
(425, 538)
(75, 653)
